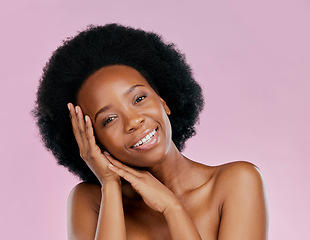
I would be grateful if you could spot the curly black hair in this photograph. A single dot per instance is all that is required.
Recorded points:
(161, 64)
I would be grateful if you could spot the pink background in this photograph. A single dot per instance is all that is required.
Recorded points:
(251, 57)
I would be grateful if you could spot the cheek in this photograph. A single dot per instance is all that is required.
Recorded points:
(168, 132)
(112, 141)
(159, 115)
(102, 138)
(166, 121)
(107, 140)
(168, 127)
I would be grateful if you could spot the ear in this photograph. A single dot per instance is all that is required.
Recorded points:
(167, 109)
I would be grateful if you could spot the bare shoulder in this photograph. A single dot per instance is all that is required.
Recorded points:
(238, 174)
(85, 192)
(239, 180)
(244, 208)
(83, 206)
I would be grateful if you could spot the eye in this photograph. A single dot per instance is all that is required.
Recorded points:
(108, 120)
(139, 99)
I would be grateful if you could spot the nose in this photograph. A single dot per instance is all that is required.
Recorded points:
(133, 121)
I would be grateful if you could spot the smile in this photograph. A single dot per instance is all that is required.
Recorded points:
(147, 140)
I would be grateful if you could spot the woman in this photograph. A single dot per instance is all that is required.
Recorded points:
(133, 104)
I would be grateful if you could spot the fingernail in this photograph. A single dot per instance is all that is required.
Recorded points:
(106, 153)
(68, 106)
(111, 166)
(86, 118)
(76, 109)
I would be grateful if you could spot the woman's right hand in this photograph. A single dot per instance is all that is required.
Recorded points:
(89, 150)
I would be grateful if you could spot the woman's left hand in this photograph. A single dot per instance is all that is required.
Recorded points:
(156, 195)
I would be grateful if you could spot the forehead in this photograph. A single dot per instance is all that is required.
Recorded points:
(107, 82)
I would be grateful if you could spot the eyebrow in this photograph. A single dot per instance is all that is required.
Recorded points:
(105, 108)
(132, 88)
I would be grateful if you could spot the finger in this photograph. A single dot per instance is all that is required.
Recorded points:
(82, 128)
(75, 127)
(94, 150)
(80, 119)
(90, 133)
(124, 174)
(120, 165)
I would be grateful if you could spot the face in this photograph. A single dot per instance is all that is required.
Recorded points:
(129, 118)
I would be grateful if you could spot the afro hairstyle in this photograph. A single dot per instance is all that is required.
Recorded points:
(161, 64)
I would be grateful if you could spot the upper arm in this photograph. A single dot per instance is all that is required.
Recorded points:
(83, 212)
(244, 211)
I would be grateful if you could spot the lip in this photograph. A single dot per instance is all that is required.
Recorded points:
(150, 144)
(142, 135)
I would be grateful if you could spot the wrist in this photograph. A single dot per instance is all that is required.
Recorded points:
(111, 182)
(110, 178)
(172, 207)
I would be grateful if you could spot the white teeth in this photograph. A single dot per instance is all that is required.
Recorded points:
(146, 139)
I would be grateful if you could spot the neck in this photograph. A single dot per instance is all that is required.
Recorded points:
(174, 172)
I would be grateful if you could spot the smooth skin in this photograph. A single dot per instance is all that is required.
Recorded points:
(173, 197)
